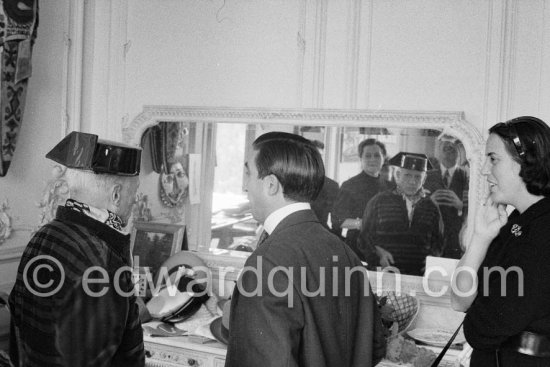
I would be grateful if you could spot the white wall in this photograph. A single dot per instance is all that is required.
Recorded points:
(490, 59)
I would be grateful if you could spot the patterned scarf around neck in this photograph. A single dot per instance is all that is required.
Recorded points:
(101, 215)
(411, 201)
(420, 194)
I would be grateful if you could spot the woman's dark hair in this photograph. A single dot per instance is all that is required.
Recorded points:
(368, 142)
(527, 140)
(294, 160)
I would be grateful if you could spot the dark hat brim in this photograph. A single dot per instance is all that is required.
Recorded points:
(185, 311)
(219, 331)
(84, 151)
(412, 161)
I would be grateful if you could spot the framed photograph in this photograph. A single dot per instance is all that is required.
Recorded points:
(351, 137)
(153, 243)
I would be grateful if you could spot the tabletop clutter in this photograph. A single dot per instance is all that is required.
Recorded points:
(185, 308)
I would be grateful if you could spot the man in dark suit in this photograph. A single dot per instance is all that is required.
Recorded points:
(448, 185)
(289, 308)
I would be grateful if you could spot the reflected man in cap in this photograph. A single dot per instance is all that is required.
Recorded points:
(402, 226)
(73, 302)
(288, 308)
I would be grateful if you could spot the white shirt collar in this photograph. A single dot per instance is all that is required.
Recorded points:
(278, 215)
(451, 170)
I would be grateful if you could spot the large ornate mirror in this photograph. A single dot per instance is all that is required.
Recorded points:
(216, 212)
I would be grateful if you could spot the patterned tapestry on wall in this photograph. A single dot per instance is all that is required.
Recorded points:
(18, 24)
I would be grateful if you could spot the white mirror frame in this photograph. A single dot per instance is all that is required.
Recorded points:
(450, 122)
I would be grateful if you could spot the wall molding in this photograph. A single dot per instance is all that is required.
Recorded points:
(103, 85)
(11, 254)
(507, 80)
(72, 68)
(315, 36)
(14, 245)
(493, 62)
(353, 53)
(544, 86)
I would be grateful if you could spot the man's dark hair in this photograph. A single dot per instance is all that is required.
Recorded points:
(368, 142)
(294, 160)
(527, 140)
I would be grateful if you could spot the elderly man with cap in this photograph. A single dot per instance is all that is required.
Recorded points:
(400, 227)
(73, 303)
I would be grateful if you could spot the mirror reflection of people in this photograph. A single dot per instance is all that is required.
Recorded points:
(322, 205)
(508, 311)
(285, 324)
(80, 323)
(402, 226)
(448, 184)
(174, 184)
(356, 192)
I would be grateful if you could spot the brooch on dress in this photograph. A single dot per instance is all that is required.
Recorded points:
(516, 230)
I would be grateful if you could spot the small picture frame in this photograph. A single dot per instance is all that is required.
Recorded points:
(351, 137)
(153, 243)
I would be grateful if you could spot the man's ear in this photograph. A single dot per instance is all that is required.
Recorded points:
(116, 194)
(272, 185)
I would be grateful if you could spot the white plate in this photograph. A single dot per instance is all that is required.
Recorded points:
(436, 337)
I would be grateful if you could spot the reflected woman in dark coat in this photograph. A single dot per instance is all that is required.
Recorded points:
(356, 192)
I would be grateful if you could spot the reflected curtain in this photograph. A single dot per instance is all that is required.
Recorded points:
(169, 144)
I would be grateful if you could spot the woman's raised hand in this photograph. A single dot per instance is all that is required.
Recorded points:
(490, 218)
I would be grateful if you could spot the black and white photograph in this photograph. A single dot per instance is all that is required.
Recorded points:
(153, 243)
(312, 183)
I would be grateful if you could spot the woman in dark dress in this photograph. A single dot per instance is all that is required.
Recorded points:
(355, 193)
(508, 310)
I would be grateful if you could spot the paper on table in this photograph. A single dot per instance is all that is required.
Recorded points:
(440, 267)
(204, 330)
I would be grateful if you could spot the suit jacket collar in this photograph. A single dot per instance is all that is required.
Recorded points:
(278, 215)
(451, 170)
(296, 218)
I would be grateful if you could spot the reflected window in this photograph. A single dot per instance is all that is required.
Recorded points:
(228, 178)
(233, 227)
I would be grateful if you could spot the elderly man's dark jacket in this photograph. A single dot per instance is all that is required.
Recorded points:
(386, 224)
(77, 324)
(288, 325)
